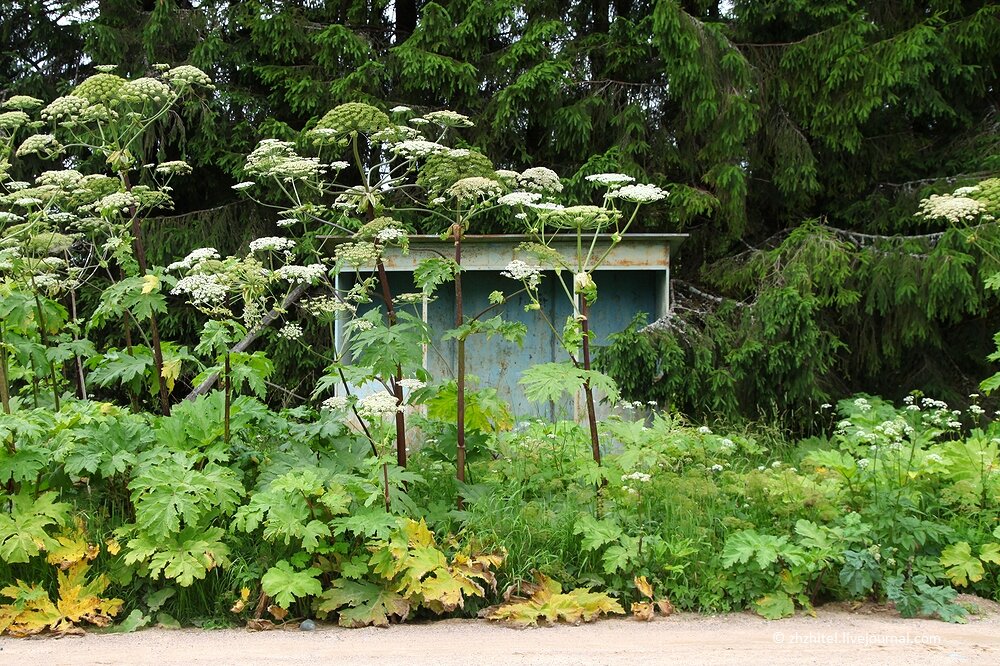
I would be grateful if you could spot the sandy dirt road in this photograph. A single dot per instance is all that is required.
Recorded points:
(835, 636)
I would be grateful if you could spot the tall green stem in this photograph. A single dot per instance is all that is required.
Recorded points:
(44, 335)
(229, 400)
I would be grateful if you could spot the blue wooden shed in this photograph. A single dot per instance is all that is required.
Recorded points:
(634, 277)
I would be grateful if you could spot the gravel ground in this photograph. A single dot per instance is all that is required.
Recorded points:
(837, 635)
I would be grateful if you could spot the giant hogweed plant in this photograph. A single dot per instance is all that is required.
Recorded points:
(546, 221)
(85, 216)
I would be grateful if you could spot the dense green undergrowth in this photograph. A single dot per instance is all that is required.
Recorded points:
(897, 504)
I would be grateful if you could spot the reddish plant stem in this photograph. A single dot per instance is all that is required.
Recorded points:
(154, 328)
(81, 380)
(385, 487)
(397, 387)
(460, 362)
(595, 442)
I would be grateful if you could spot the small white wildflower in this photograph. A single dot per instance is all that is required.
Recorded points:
(475, 188)
(863, 463)
(203, 289)
(286, 222)
(400, 109)
(705, 430)
(637, 476)
(716, 468)
(245, 185)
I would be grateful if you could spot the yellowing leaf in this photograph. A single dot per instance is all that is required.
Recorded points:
(72, 549)
(645, 589)
(171, 371)
(547, 603)
(244, 594)
(32, 611)
(150, 283)
(113, 546)
(277, 612)
(642, 610)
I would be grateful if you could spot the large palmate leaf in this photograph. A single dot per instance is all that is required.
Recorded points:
(547, 382)
(284, 584)
(961, 566)
(186, 556)
(24, 531)
(361, 604)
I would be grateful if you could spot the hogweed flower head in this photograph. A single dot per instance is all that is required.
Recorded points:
(639, 193)
(45, 146)
(174, 168)
(195, 258)
(609, 178)
(64, 108)
(448, 118)
(188, 75)
(310, 274)
(22, 103)
(540, 179)
(475, 188)
(519, 270)
(953, 209)
(354, 118)
(271, 244)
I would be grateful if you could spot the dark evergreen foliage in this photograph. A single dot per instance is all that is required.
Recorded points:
(796, 138)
